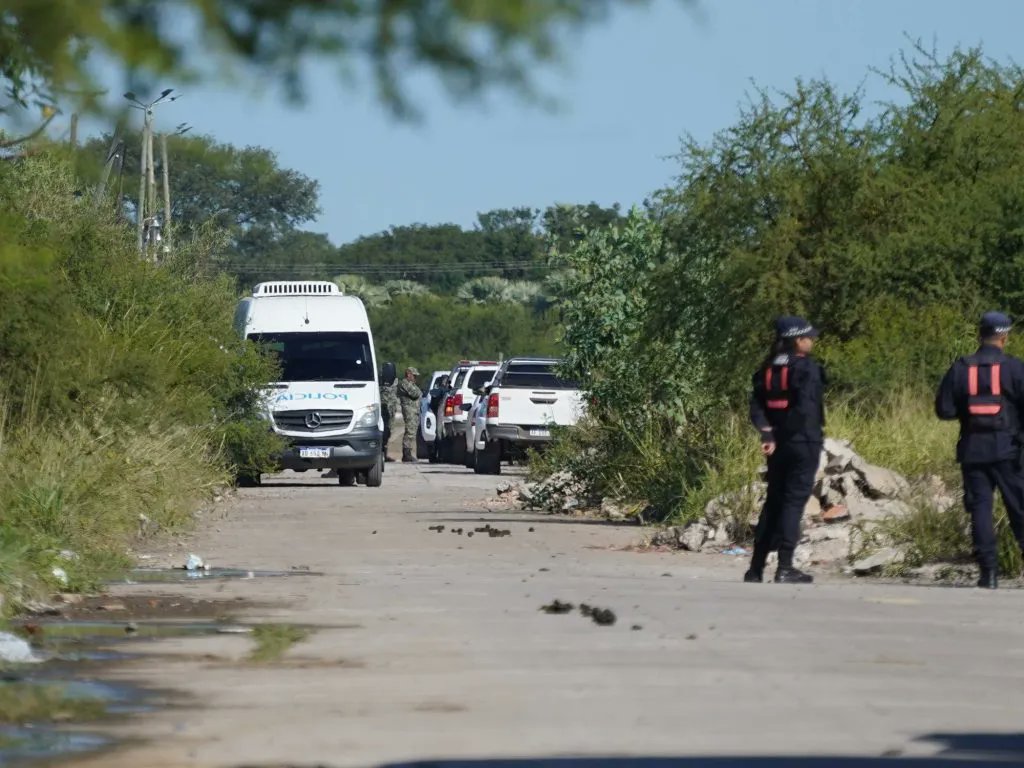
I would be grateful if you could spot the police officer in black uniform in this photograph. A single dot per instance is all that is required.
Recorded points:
(985, 392)
(787, 408)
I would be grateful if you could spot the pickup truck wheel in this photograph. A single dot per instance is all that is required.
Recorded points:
(488, 460)
(422, 448)
(247, 480)
(459, 449)
(445, 453)
(375, 476)
(346, 478)
(470, 458)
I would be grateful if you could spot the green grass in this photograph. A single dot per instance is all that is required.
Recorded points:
(683, 470)
(40, 703)
(71, 489)
(272, 641)
(901, 433)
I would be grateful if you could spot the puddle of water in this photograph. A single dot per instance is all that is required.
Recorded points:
(29, 743)
(90, 641)
(180, 575)
(64, 646)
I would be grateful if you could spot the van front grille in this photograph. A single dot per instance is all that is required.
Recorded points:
(312, 421)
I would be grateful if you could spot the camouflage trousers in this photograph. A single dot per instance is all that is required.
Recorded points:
(411, 417)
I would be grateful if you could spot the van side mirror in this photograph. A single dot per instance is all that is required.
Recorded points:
(388, 374)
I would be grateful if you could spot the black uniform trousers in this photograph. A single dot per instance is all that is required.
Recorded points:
(980, 482)
(791, 471)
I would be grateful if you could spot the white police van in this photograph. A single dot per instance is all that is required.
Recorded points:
(327, 402)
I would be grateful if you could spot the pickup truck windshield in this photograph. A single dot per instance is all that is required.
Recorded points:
(320, 356)
(535, 376)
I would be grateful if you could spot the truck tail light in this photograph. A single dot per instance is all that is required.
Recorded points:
(492, 406)
(456, 403)
(449, 406)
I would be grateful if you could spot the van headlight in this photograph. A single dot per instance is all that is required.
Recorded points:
(369, 416)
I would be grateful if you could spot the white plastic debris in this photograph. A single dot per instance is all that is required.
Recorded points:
(14, 650)
(60, 575)
(194, 563)
(68, 555)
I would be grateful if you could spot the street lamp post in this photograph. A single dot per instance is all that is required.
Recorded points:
(146, 214)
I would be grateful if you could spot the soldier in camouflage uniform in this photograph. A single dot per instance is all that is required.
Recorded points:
(409, 395)
(389, 407)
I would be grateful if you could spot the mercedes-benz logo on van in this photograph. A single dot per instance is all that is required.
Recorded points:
(313, 420)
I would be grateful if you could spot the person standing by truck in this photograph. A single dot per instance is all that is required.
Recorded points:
(388, 402)
(409, 395)
(787, 409)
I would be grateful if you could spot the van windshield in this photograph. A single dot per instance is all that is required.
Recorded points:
(320, 356)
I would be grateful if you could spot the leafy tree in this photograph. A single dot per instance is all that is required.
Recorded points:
(372, 295)
(565, 225)
(806, 205)
(468, 45)
(506, 243)
(426, 332)
(510, 239)
(405, 288)
(441, 256)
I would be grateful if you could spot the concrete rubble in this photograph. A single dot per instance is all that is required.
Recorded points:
(849, 497)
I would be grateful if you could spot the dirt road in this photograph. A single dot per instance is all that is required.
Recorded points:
(432, 646)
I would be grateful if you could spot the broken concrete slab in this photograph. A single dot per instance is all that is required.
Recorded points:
(878, 561)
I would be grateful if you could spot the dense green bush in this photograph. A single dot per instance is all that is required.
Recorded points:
(122, 387)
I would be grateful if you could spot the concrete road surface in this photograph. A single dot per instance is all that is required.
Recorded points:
(431, 649)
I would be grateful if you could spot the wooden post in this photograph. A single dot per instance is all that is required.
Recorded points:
(166, 230)
(141, 213)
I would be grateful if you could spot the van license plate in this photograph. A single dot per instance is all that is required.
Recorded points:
(314, 453)
(540, 433)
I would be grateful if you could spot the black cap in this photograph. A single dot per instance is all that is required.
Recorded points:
(792, 327)
(995, 324)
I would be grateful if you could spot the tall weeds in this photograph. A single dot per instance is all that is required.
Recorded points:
(124, 389)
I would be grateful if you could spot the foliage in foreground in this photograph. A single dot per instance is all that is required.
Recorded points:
(122, 384)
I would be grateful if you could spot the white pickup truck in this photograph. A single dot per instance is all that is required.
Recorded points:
(525, 400)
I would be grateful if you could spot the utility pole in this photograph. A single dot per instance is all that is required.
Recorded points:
(143, 154)
(167, 191)
(116, 149)
(119, 199)
(148, 227)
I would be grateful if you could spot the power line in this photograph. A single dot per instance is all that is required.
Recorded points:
(395, 269)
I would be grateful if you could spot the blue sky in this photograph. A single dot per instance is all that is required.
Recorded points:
(627, 91)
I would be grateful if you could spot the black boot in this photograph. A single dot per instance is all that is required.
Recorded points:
(755, 573)
(988, 579)
(791, 575)
(408, 458)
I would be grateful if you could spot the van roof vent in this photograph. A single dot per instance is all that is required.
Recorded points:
(296, 288)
